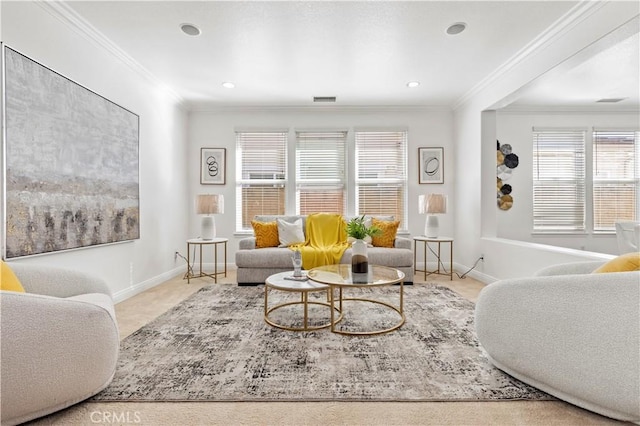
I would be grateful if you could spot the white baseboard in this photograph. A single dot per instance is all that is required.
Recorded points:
(208, 267)
(476, 275)
(460, 269)
(147, 284)
(483, 278)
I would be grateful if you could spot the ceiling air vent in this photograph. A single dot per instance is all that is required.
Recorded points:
(610, 100)
(324, 99)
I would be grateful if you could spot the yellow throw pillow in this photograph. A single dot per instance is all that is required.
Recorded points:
(626, 262)
(8, 280)
(389, 229)
(266, 234)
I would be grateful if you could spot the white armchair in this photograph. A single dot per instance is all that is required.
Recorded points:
(59, 342)
(570, 333)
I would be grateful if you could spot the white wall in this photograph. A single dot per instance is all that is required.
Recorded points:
(216, 129)
(169, 160)
(475, 138)
(514, 128)
(32, 29)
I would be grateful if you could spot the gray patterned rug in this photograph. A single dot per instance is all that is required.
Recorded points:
(215, 346)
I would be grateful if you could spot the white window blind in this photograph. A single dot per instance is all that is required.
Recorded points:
(381, 174)
(558, 181)
(615, 177)
(261, 178)
(320, 172)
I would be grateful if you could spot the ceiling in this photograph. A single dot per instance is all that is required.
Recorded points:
(612, 74)
(363, 53)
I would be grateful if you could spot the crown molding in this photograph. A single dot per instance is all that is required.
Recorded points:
(560, 27)
(553, 110)
(203, 108)
(67, 15)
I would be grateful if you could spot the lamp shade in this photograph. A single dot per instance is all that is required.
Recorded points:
(210, 204)
(432, 204)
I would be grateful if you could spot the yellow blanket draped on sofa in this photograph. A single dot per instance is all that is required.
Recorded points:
(326, 240)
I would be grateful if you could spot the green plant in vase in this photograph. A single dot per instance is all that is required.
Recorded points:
(357, 228)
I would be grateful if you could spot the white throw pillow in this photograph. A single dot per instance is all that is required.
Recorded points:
(290, 233)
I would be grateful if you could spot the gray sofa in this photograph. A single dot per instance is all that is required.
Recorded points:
(255, 265)
(570, 333)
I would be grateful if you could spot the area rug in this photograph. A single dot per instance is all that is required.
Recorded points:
(215, 346)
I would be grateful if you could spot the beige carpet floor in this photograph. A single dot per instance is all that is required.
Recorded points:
(140, 309)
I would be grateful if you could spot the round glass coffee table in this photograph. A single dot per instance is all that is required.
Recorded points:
(279, 282)
(339, 277)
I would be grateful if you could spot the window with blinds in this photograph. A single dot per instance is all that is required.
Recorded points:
(261, 175)
(320, 172)
(558, 181)
(381, 174)
(615, 177)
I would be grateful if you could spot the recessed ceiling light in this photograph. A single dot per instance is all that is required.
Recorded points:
(190, 29)
(456, 28)
(413, 84)
(228, 85)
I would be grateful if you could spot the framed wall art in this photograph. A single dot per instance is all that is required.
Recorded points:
(71, 163)
(213, 166)
(431, 165)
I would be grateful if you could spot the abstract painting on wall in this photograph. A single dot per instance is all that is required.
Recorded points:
(71, 163)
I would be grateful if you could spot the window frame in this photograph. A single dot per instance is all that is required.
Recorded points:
(323, 179)
(599, 134)
(591, 180)
(399, 178)
(351, 180)
(574, 141)
(276, 139)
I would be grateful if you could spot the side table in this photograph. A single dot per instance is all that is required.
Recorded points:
(279, 282)
(341, 277)
(439, 241)
(198, 243)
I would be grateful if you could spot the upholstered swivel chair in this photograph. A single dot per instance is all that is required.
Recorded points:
(570, 333)
(59, 342)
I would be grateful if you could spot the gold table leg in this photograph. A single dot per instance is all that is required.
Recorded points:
(304, 301)
(215, 263)
(225, 259)
(188, 263)
(451, 260)
(425, 245)
(399, 309)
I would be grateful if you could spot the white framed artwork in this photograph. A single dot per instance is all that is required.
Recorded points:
(213, 166)
(431, 165)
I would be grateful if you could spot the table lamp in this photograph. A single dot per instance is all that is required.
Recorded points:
(208, 205)
(432, 205)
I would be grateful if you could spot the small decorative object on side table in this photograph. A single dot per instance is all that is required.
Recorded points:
(298, 275)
